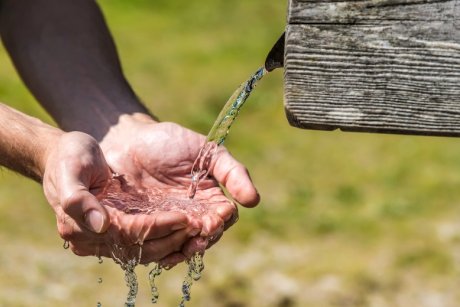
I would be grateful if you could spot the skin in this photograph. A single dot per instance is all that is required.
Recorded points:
(76, 174)
(17, 152)
(66, 56)
(142, 158)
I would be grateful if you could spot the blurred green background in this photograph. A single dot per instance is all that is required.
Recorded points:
(346, 219)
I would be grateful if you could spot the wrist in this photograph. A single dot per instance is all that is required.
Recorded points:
(49, 138)
(98, 117)
(127, 120)
(122, 130)
(25, 142)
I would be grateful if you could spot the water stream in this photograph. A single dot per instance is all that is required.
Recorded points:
(221, 128)
(200, 168)
(155, 272)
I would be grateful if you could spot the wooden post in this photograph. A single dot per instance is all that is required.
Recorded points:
(374, 65)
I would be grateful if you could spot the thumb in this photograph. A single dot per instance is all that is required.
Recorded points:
(86, 210)
(235, 178)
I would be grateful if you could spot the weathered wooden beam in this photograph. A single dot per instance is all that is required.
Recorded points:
(379, 66)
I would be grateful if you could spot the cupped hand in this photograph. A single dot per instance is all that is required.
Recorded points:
(154, 155)
(76, 174)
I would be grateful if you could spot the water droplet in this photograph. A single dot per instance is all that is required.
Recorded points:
(66, 245)
(99, 304)
(100, 261)
(131, 282)
(99, 280)
(195, 267)
(121, 256)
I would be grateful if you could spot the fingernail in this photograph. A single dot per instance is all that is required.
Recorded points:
(201, 244)
(94, 220)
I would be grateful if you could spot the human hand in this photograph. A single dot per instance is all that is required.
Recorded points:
(154, 155)
(76, 174)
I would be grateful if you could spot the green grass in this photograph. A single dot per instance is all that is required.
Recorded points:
(346, 219)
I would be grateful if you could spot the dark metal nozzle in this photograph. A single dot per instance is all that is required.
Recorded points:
(275, 58)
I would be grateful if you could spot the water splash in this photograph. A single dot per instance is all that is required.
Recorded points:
(131, 282)
(122, 257)
(200, 168)
(123, 197)
(132, 201)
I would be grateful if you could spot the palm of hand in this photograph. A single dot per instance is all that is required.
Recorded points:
(160, 157)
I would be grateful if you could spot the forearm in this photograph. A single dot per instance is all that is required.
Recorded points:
(66, 56)
(24, 142)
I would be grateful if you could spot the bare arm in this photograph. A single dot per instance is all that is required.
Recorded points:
(24, 142)
(66, 56)
(67, 164)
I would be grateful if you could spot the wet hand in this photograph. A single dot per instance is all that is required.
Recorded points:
(76, 174)
(154, 155)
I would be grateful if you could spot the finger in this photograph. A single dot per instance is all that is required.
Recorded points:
(225, 209)
(127, 229)
(212, 224)
(77, 175)
(84, 208)
(118, 253)
(214, 240)
(69, 230)
(231, 220)
(194, 245)
(162, 224)
(89, 249)
(235, 177)
(154, 250)
(172, 260)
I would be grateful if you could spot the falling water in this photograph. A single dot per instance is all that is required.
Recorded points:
(221, 128)
(155, 272)
(195, 267)
(128, 263)
(99, 280)
(131, 201)
(201, 165)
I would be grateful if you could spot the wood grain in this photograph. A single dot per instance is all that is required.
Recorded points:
(379, 66)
